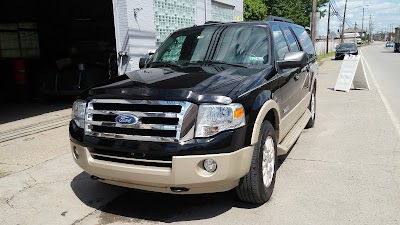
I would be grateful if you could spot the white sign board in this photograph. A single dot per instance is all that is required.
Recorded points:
(352, 72)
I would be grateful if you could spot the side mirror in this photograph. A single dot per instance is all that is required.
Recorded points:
(293, 60)
(142, 63)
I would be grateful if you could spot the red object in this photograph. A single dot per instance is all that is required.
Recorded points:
(20, 73)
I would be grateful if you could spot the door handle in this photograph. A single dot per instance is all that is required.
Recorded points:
(296, 76)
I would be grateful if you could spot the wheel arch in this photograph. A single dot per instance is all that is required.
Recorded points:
(269, 111)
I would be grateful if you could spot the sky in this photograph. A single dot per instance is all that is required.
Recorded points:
(385, 14)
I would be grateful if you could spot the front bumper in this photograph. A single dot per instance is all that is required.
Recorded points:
(343, 54)
(158, 166)
(185, 173)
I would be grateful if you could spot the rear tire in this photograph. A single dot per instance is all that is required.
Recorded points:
(312, 107)
(257, 186)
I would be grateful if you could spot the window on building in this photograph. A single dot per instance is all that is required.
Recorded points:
(19, 40)
(222, 12)
(171, 15)
(280, 42)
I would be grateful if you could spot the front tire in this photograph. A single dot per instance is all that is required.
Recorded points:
(257, 186)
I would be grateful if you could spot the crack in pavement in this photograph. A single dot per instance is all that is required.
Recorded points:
(335, 162)
(35, 183)
(40, 165)
(8, 200)
(16, 164)
(80, 220)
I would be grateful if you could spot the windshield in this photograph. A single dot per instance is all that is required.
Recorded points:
(234, 44)
(347, 46)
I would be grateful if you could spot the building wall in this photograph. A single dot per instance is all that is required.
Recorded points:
(139, 28)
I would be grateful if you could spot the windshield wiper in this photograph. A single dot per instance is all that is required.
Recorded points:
(161, 63)
(211, 62)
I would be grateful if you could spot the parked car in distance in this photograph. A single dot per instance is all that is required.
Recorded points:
(389, 44)
(346, 49)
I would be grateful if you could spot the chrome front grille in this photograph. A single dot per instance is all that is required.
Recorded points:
(157, 121)
(127, 157)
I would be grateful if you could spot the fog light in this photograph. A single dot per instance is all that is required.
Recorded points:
(75, 153)
(210, 165)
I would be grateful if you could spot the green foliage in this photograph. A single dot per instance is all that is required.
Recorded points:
(254, 10)
(297, 10)
(365, 37)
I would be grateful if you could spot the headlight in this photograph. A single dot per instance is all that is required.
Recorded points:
(212, 119)
(78, 113)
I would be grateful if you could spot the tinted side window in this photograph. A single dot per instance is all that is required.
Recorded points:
(305, 41)
(292, 40)
(280, 43)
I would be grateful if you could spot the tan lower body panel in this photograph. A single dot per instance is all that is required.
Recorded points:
(185, 172)
(221, 187)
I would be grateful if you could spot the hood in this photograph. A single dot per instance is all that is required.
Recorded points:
(196, 84)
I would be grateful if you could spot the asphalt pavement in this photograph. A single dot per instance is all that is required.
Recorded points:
(343, 171)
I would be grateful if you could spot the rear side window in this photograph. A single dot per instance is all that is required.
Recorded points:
(294, 47)
(305, 41)
(281, 46)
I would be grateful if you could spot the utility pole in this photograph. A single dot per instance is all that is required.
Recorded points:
(344, 19)
(370, 32)
(327, 32)
(314, 21)
(362, 24)
(355, 31)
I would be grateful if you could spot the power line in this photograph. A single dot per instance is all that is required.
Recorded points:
(338, 15)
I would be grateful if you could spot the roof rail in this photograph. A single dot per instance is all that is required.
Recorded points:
(212, 22)
(276, 18)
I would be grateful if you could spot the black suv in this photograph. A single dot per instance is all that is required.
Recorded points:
(210, 111)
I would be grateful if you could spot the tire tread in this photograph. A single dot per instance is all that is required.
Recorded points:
(248, 189)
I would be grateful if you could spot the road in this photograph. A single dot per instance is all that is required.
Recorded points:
(382, 63)
(345, 170)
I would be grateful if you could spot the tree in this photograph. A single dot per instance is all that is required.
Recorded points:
(254, 10)
(297, 10)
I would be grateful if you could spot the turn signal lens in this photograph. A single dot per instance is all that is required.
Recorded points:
(238, 113)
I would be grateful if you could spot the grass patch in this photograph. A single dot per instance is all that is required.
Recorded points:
(321, 57)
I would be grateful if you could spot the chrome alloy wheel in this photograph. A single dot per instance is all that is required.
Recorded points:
(312, 105)
(268, 161)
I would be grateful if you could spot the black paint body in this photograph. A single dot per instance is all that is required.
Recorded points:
(199, 84)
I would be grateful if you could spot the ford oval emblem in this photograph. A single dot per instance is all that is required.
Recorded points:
(126, 119)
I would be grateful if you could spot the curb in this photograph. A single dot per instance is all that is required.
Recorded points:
(320, 63)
